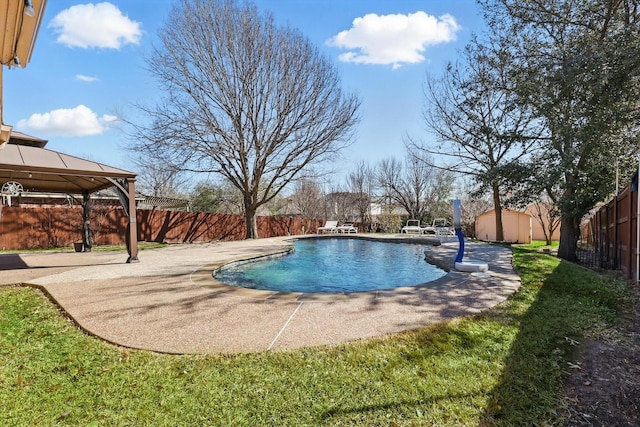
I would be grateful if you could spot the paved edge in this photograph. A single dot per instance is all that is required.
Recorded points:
(299, 318)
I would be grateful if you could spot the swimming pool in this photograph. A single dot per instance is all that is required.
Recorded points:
(336, 265)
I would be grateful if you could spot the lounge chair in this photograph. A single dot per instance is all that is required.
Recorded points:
(412, 226)
(347, 227)
(329, 226)
(442, 229)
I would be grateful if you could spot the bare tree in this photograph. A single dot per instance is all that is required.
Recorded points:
(307, 198)
(361, 183)
(341, 204)
(232, 200)
(415, 185)
(481, 131)
(245, 98)
(158, 179)
(473, 204)
(546, 213)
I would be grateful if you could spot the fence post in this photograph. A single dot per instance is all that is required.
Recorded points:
(637, 248)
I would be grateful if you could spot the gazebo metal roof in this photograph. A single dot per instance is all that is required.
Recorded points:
(39, 169)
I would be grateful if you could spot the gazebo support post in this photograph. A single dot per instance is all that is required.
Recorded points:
(132, 229)
(87, 240)
(5, 130)
(126, 191)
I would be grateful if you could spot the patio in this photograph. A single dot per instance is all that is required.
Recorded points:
(170, 303)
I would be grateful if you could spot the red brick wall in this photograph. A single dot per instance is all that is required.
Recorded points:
(60, 226)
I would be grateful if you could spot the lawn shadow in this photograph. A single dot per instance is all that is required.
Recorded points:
(557, 303)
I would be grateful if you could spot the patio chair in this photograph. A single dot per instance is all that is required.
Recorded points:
(329, 226)
(443, 230)
(347, 227)
(412, 226)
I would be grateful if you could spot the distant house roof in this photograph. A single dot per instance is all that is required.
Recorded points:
(24, 160)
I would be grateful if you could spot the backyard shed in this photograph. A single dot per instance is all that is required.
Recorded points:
(517, 226)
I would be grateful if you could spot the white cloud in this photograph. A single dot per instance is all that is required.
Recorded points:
(108, 118)
(84, 78)
(101, 25)
(393, 39)
(78, 121)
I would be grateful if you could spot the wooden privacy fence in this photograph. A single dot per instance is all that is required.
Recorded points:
(611, 234)
(61, 226)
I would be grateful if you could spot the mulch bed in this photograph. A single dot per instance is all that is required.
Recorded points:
(603, 387)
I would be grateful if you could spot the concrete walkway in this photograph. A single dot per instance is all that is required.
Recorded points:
(170, 303)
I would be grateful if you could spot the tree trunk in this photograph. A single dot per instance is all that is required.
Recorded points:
(569, 235)
(544, 225)
(497, 206)
(545, 230)
(250, 222)
(554, 223)
(548, 230)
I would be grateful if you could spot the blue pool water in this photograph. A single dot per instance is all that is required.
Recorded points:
(336, 265)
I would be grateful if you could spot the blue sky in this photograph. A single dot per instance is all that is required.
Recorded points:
(88, 67)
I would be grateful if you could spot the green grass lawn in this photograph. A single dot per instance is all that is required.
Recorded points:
(104, 248)
(502, 367)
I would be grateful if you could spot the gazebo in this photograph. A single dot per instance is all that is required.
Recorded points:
(26, 166)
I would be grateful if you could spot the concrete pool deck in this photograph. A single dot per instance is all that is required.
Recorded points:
(169, 302)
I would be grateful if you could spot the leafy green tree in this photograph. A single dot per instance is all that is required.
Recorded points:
(206, 198)
(576, 64)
